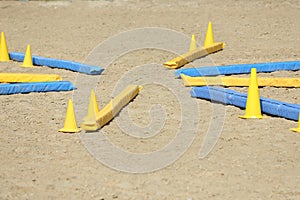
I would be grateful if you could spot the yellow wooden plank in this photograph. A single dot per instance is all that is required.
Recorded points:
(111, 109)
(18, 77)
(192, 55)
(237, 81)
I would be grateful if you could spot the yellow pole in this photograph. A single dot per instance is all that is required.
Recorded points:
(111, 109)
(238, 81)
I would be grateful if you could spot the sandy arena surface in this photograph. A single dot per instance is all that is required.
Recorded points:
(253, 159)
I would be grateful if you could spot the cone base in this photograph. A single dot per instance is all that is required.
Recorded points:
(90, 119)
(5, 60)
(208, 45)
(89, 127)
(295, 129)
(30, 66)
(251, 117)
(65, 130)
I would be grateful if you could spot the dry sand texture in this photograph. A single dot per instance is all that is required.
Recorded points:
(253, 159)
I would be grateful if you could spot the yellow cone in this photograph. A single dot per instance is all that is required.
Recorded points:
(93, 107)
(193, 44)
(70, 125)
(209, 39)
(28, 58)
(297, 129)
(4, 57)
(253, 109)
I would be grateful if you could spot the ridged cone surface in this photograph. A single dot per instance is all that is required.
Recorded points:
(70, 125)
(193, 44)
(28, 58)
(209, 38)
(253, 109)
(93, 108)
(4, 56)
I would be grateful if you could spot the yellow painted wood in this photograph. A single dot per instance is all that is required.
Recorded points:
(237, 81)
(192, 55)
(111, 109)
(19, 78)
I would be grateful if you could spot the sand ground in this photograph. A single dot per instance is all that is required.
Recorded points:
(253, 159)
